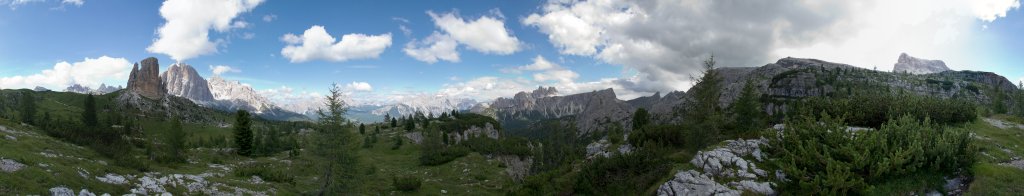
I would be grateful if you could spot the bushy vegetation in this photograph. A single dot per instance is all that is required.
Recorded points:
(407, 183)
(822, 156)
(874, 109)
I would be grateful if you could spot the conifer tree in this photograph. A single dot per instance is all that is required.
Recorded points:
(335, 145)
(706, 112)
(362, 129)
(748, 114)
(176, 140)
(28, 108)
(640, 118)
(89, 112)
(243, 133)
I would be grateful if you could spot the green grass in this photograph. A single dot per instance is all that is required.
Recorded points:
(1000, 145)
(380, 164)
(992, 179)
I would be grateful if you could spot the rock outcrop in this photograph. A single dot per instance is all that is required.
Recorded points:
(474, 131)
(145, 80)
(591, 111)
(183, 81)
(912, 65)
(40, 89)
(731, 165)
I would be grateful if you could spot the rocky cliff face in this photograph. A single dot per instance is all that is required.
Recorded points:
(183, 81)
(909, 64)
(145, 80)
(791, 79)
(474, 131)
(589, 111)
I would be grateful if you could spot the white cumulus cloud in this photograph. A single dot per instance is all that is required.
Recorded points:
(436, 47)
(186, 34)
(316, 44)
(220, 69)
(89, 72)
(485, 34)
(358, 86)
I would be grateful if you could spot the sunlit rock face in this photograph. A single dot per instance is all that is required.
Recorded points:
(145, 79)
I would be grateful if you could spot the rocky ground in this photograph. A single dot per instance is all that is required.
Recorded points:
(727, 170)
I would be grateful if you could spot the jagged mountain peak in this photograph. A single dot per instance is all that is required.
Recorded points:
(184, 81)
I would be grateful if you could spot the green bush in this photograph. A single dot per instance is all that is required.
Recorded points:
(407, 183)
(443, 155)
(821, 157)
(874, 109)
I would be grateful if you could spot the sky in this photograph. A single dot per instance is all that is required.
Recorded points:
(391, 51)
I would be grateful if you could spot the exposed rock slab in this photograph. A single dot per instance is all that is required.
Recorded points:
(913, 65)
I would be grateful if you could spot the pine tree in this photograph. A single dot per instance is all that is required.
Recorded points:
(362, 129)
(640, 118)
(335, 144)
(394, 122)
(748, 114)
(243, 133)
(706, 112)
(28, 108)
(410, 125)
(89, 112)
(176, 140)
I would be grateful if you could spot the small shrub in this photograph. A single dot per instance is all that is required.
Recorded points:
(407, 183)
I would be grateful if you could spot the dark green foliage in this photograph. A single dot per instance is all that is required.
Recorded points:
(266, 171)
(407, 183)
(394, 122)
(559, 148)
(409, 125)
(641, 118)
(615, 133)
(243, 133)
(362, 129)
(821, 157)
(874, 109)
(504, 146)
(89, 112)
(176, 141)
(659, 135)
(622, 174)
(465, 121)
(105, 140)
(28, 107)
(397, 144)
(436, 152)
(747, 113)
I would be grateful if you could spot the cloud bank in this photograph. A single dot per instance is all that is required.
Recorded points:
(90, 72)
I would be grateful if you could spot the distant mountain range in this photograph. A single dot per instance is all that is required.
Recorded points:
(181, 80)
(76, 88)
(781, 83)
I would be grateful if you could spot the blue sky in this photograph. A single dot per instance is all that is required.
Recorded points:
(637, 48)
